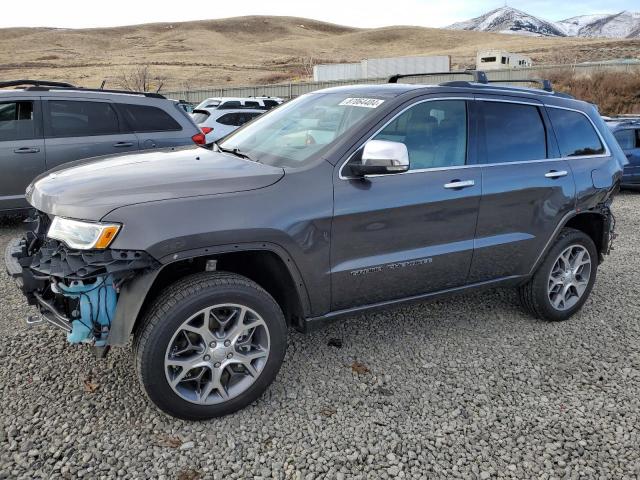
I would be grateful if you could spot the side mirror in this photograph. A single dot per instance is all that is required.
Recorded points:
(381, 157)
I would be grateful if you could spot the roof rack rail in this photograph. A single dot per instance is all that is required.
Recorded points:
(478, 75)
(44, 85)
(35, 83)
(545, 84)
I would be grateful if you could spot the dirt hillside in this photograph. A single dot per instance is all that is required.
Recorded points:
(253, 50)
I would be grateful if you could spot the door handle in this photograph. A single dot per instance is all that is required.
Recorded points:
(27, 150)
(556, 174)
(123, 144)
(459, 184)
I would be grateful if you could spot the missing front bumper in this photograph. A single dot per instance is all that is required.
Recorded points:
(76, 291)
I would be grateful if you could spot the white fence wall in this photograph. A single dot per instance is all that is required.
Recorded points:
(338, 71)
(292, 90)
(386, 67)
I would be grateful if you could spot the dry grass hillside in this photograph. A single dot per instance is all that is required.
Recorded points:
(247, 50)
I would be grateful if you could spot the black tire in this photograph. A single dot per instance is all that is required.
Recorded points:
(176, 304)
(534, 295)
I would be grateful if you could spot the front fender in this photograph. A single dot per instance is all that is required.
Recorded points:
(134, 293)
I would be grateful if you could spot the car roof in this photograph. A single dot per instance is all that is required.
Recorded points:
(622, 122)
(80, 93)
(461, 87)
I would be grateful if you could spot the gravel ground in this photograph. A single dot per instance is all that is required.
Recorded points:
(469, 387)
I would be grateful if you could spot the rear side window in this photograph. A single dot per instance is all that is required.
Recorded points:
(143, 118)
(69, 118)
(628, 139)
(232, 119)
(248, 116)
(251, 104)
(230, 104)
(200, 116)
(16, 121)
(270, 103)
(435, 133)
(513, 132)
(576, 135)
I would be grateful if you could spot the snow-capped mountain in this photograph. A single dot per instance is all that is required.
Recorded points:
(510, 20)
(573, 25)
(619, 25)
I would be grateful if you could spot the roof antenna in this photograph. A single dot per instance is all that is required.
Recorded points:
(103, 84)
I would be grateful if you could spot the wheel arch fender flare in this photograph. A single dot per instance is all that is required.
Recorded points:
(134, 293)
(571, 219)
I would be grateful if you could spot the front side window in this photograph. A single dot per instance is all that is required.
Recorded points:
(626, 139)
(143, 118)
(434, 132)
(298, 132)
(69, 118)
(576, 135)
(513, 132)
(16, 121)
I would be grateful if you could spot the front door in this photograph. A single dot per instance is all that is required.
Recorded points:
(22, 153)
(399, 235)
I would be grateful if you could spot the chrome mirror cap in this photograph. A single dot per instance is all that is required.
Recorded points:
(385, 156)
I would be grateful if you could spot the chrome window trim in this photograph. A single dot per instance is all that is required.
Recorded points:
(457, 167)
(342, 177)
(607, 152)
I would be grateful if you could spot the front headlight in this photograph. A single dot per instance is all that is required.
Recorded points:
(83, 235)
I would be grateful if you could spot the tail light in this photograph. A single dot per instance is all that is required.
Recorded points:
(206, 130)
(199, 139)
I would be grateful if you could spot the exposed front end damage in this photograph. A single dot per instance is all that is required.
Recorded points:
(75, 290)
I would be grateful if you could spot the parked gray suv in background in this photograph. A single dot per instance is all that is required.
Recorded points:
(44, 124)
(336, 203)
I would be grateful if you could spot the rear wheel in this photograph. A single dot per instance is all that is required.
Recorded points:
(210, 345)
(564, 280)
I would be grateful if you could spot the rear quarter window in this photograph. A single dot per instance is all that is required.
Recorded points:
(200, 116)
(575, 132)
(145, 118)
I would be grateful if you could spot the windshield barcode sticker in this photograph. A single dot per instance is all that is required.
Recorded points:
(362, 102)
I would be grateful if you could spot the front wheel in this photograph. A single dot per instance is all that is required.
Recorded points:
(210, 345)
(564, 280)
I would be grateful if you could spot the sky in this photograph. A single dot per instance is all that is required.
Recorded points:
(357, 13)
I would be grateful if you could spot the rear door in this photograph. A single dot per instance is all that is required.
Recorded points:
(154, 127)
(527, 188)
(22, 150)
(76, 129)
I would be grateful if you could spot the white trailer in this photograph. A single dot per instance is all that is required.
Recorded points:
(501, 60)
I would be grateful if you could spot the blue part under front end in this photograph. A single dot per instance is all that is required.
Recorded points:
(97, 303)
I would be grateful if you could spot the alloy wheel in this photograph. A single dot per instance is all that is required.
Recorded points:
(569, 277)
(217, 354)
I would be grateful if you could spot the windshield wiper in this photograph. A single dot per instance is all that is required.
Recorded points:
(236, 152)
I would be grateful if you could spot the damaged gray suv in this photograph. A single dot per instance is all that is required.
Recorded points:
(336, 203)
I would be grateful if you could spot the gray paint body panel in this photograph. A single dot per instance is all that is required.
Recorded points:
(424, 238)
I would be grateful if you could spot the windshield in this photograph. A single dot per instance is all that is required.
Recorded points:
(295, 133)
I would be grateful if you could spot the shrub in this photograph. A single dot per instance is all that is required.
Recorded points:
(614, 92)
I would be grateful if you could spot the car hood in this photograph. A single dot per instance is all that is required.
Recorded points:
(91, 189)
